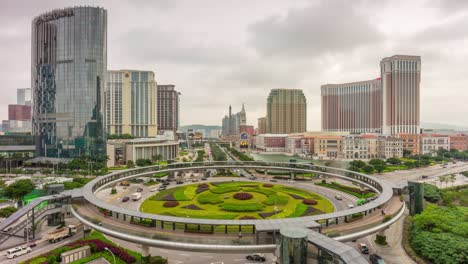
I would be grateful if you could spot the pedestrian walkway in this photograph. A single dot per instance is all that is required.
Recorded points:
(393, 253)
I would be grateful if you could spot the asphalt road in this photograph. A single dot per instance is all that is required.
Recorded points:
(181, 257)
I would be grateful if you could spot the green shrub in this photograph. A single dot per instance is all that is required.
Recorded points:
(242, 207)
(432, 193)
(381, 240)
(209, 198)
(157, 260)
(276, 199)
(220, 190)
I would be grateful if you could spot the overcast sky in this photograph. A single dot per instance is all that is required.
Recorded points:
(228, 52)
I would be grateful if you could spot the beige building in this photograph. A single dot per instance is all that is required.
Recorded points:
(286, 111)
(431, 143)
(261, 126)
(390, 147)
(328, 146)
(120, 151)
(131, 101)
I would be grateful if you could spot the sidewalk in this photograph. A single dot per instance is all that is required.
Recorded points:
(393, 253)
(392, 207)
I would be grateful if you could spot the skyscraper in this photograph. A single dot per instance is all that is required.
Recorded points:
(401, 76)
(23, 96)
(242, 116)
(389, 104)
(231, 123)
(355, 107)
(131, 103)
(68, 69)
(286, 111)
(168, 108)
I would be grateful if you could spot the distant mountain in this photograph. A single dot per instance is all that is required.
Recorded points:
(429, 125)
(199, 127)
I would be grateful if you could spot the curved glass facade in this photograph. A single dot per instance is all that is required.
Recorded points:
(68, 69)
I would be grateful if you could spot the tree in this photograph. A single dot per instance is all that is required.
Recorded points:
(354, 168)
(19, 189)
(380, 167)
(357, 163)
(394, 161)
(441, 180)
(452, 178)
(130, 164)
(368, 169)
(407, 153)
(157, 157)
(7, 211)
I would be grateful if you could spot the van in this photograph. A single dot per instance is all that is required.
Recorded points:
(363, 248)
(17, 251)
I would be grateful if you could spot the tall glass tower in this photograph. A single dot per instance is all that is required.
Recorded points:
(68, 69)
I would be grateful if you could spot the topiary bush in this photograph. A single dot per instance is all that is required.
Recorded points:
(171, 204)
(243, 196)
(309, 202)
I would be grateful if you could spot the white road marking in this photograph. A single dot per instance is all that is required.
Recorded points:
(206, 256)
(175, 261)
(183, 254)
(165, 251)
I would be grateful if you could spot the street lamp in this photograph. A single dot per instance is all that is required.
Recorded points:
(111, 253)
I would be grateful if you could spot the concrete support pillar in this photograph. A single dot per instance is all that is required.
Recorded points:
(145, 251)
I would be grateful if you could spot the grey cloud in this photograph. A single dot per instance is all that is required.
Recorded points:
(329, 27)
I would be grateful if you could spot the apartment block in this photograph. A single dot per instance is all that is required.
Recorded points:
(431, 143)
(459, 142)
(411, 142)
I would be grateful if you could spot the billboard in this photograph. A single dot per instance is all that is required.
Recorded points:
(244, 144)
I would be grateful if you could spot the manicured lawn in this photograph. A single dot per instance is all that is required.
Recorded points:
(217, 201)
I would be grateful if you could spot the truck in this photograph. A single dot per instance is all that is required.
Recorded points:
(136, 196)
(61, 233)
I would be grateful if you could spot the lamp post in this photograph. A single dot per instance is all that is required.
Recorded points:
(111, 253)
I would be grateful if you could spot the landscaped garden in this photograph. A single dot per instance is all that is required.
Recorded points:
(236, 200)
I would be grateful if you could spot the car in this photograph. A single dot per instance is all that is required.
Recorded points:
(17, 251)
(166, 183)
(139, 189)
(256, 257)
(32, 244)
(376, 259)
(338, 197)
(153, 190)
(425, 177)
(273, 180)
(125, 199)
(203, 179)
(194, 180)
(363, 248)
(291, 181)
(350, 205)
(179, 182)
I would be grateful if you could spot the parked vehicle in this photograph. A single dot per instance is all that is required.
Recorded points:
(350, 205)
(256, 257)
(363, 248)
(338, 197)
(136, 196)
(61, 233)
(376, 259)
(17, 251)
(125, 199)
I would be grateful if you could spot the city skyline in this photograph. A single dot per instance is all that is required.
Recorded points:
(237, 57)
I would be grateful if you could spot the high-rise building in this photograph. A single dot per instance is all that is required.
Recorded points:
(232, 122)
(131, 99)
(355, 107)
(261, 129)
(68, 70)
(23, 96)
(286, 111)
(19, 112)
(168, 108)
(388, 105)
(401, 76)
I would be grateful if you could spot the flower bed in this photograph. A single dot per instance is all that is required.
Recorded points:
(267, 185)
(309, 202)
(243, 196)
(171, 204)
(246, 217)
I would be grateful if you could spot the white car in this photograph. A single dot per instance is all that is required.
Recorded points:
(17, 251)
(153, 190)
(350, 205)
(291, 181)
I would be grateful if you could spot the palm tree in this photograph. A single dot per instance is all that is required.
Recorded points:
(441, 180)
(453, 178)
